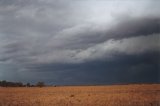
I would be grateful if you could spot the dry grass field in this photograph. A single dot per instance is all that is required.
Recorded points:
(115, 95)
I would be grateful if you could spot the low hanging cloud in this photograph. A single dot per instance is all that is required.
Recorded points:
(59, 37)
(127, 46)
(78, 44)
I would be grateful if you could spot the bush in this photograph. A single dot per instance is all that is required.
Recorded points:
(40, 84)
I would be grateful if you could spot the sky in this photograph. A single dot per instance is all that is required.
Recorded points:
(76, 42)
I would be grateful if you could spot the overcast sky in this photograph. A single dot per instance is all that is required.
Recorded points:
(80, 41)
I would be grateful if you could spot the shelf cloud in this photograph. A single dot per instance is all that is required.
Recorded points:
(80, 41)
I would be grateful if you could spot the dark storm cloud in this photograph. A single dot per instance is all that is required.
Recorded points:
(136, 27)
(59, 41)
(125, 69)
(125, 29)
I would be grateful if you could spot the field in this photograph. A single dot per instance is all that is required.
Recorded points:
(115, 95)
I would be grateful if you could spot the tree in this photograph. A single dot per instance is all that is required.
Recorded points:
(4, 83)
(40, 84)
(11, 84)
(28, 84)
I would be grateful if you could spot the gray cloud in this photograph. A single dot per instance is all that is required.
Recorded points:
(136, 27)
(125, 68)
(75, 33)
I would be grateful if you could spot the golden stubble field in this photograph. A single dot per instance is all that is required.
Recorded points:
(115, 95)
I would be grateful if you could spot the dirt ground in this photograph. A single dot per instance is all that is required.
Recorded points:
(113, 95)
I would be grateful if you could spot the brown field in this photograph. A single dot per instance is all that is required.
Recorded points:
(115, 95)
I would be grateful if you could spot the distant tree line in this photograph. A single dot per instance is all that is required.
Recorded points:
(20, 84)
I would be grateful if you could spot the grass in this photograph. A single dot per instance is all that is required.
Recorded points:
(115, 95)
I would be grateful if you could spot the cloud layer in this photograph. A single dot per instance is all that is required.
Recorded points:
(79, 41)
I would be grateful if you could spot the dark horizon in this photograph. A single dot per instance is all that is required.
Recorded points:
(74, 84)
